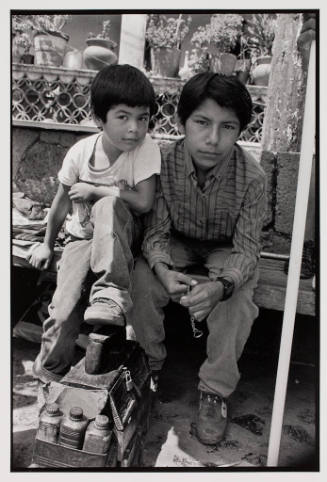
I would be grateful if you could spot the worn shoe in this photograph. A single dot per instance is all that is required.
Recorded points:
(211, 421)
(104, 311)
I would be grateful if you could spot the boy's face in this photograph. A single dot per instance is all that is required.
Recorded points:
(125, 127)
(210, 134)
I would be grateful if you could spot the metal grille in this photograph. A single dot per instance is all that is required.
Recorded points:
(59, 95)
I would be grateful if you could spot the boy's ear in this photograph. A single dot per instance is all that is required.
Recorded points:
(98, 122)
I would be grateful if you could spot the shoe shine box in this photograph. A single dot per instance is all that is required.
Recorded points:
(121, 391)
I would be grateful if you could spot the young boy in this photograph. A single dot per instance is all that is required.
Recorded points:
(207, 217)
(107, 180)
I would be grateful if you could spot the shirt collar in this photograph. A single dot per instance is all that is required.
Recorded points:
(217, 172)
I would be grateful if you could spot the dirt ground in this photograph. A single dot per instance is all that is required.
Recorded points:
(170, 440)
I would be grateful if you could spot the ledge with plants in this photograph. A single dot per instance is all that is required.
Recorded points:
(164, 36)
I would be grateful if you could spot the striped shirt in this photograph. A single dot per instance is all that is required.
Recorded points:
(229, 209)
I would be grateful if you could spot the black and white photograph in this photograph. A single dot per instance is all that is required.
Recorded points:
(165, 241)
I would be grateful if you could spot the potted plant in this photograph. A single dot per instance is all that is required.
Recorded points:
(21, 40)
(49, 41)
(258, 38)
(99, 50)
(216, 43)
(164, 36)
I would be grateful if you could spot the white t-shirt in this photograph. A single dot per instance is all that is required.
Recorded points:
(130, 168)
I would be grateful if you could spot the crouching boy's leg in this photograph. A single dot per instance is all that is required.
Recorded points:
(229, 326)
(62, 327)
(147, 316)
(111, 261)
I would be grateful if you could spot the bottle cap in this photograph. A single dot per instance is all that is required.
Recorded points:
(101, 421)
(52, 409)
(76, 413)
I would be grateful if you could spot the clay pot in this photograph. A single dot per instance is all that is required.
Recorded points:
(27, 59)
(98, 54)
(261, 71)
(50, 48)
(73, 60)
(223, 63)
(242, 69)
(165, 61)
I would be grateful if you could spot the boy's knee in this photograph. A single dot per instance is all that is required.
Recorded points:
(111, 204)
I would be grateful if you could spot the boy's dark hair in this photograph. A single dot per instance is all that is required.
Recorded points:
(227, 91)
(120, 84)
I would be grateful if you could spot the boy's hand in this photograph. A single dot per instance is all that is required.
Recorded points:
(202, 299)
(176, 283)
(40, 257)
(81, 191)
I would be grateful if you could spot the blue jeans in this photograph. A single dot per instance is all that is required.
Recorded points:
(229, 323)
(108, 254)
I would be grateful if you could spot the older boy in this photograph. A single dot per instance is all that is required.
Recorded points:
(208, 213)
(108, 179)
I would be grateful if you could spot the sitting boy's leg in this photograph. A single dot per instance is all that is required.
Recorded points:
(61, 329)
(147, 316)
(229, 326)
(111, 261)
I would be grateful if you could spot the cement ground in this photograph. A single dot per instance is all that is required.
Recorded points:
(170, 441)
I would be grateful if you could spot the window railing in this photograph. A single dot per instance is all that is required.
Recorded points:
(60, 96)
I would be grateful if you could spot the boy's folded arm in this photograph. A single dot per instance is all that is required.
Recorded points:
(140, 199)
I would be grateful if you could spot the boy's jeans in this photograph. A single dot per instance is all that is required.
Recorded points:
(108, 254)
(229, 323)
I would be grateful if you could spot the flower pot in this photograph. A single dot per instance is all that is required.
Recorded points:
(27, 59)
(242, 69)
(223, 63)
(261, 71)
(73, 60)
(17, 51)
(165, 61)
(50, 48)
(98, 54)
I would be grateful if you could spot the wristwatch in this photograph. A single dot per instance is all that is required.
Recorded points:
(228, 288)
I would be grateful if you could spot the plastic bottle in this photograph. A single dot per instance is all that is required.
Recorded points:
(49, 423)
(72, 428)
(98, 435)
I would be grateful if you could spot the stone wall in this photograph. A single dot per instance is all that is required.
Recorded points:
(37, 156)
(282, 173)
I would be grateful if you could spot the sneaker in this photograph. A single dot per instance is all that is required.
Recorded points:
(104, 311)
(212, 418)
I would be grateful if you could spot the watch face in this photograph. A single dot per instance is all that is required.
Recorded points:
(228, 288)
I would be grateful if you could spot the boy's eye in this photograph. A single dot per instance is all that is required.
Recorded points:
(144, 118)
(122, 117)
(201, 122)
(229, 127)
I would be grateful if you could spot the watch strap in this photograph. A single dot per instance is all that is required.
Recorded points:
(228, 287)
